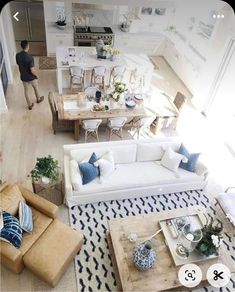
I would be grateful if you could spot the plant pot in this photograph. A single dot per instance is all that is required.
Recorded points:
(45, 180)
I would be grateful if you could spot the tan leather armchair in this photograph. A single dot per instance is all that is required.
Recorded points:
(46, 229)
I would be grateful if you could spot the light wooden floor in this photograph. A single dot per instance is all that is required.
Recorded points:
(26, 135)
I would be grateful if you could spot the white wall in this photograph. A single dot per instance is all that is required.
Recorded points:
(195, 58)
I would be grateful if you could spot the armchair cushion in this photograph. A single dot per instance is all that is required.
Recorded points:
(10, 198)
(39, 203)
(26, 218)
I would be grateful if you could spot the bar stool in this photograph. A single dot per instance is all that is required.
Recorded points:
(77, 74)
(91, 128)
(116, 74)
(115, 126)
(98, 76)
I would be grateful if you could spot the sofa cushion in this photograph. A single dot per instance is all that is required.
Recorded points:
(26, 217)
(11, 231)
(190, 165)
(75, 175)
(106, 165)
(121, 153)
(89, 171)
(129, 176)
(40, 224)
(10, 198)
(154, 151)
(172, 159)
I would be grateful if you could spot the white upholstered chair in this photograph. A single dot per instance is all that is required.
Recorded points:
(115, 126)
(76, 77)
(137, 79)
(91, 128)
(98, 76)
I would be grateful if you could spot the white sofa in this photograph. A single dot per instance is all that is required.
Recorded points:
(138, 171)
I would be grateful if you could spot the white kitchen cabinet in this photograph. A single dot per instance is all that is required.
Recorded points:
(60, 39)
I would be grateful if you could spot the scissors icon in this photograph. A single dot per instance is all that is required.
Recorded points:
(217, 275)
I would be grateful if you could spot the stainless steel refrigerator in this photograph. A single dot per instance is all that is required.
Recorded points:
(31, 25)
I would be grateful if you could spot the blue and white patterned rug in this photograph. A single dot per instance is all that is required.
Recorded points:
(93, 263)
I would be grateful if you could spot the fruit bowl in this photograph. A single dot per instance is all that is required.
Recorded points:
(100, 108)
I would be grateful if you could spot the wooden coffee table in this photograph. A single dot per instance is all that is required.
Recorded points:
(164, 274)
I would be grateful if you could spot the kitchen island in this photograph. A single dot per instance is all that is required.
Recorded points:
(86, 57)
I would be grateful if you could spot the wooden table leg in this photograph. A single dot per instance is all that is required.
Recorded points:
(77, 130)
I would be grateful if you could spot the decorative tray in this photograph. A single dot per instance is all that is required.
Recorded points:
(100, 108)
(172, 228)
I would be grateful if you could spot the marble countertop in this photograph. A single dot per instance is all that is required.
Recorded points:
(118, 31)
(52, 28)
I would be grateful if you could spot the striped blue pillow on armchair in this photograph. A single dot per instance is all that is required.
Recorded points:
(26, 218)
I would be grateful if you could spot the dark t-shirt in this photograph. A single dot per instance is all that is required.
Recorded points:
(25, 61)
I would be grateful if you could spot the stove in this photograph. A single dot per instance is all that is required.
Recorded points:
(87, 36)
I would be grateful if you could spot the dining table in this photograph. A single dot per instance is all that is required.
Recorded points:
(70, 107)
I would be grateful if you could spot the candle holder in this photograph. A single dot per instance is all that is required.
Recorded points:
(188, 240)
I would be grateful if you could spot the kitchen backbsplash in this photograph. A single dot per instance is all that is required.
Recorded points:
(97, 17)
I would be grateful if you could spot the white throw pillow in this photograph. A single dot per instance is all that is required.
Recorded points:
(75, 176)
(172, 159)
(106, 164)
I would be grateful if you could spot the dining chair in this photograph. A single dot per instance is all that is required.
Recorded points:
(91, 128)
(116, 74)
(115, 126)
(98, 76)
(58, 125)
(137, 79)
(142, 123)
(77, 74)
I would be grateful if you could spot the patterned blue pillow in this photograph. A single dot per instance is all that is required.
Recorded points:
(88, 170)
(26, 217)
(192, 159)
(11, 230)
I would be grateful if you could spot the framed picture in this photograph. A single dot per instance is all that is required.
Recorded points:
(152, 11)
(146, 10)
(159, 11)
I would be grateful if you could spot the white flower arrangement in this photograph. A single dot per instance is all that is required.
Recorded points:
(215, 240)
(107, 48)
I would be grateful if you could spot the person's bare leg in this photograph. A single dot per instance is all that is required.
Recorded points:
(36, 91)
(26, 93)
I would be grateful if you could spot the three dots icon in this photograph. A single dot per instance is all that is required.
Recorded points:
(218, 15)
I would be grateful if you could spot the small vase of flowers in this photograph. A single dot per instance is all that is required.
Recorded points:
(115, 55)
(211, 237)
(119, 91)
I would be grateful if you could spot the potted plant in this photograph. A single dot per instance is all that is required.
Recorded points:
(46, 170)
(61, 22)
(211, 237)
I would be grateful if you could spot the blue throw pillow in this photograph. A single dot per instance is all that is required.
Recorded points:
(192, 159)
(26, 217)
(11, 230)
(88, 170)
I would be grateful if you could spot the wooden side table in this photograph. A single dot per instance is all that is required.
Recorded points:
(52, 192)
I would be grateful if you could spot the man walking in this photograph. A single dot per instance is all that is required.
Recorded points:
(27, 73)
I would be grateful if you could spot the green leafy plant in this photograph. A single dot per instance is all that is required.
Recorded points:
(211, 237)
(119, 88)
(45, 166)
